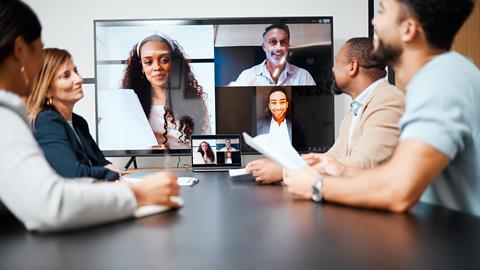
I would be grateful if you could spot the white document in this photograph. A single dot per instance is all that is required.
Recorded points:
(122, 124)
(277, 150)
(148, 210)
(185, 181)
(135, 177)
(237, 172)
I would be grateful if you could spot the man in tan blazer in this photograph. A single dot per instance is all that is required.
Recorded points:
(369, 131)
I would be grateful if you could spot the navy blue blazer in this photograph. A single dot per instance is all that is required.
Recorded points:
(64, 152)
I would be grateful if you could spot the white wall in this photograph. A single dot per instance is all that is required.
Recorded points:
(68, 24)
(376, 5)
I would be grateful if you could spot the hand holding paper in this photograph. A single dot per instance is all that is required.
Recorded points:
(277, 150)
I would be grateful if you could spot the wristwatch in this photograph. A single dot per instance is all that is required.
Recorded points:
(317, 189)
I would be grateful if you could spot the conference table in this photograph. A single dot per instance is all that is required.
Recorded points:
(238, 224)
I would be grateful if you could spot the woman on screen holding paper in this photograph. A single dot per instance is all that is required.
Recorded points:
(171, 97)
(63, 135)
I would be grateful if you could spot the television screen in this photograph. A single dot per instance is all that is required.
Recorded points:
(161, 81)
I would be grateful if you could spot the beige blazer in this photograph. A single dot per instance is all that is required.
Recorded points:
(376, 133)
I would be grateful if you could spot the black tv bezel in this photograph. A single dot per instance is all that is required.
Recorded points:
(191, 21)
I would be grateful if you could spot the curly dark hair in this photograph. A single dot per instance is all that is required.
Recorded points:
(182, 86)
(210, 155)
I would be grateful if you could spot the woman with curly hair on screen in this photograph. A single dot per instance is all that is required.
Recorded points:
(171, 97)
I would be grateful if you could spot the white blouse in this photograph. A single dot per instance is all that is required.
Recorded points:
(157, 121)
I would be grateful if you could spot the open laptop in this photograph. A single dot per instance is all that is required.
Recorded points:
(216, 152)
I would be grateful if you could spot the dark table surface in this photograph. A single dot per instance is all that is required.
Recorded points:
(229, 224)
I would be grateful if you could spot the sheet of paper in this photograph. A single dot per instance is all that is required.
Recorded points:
(148, 210)
(185, 181)
(237, 172)
(133, 178)
(137, 176)
(277, 150)
(122, 123)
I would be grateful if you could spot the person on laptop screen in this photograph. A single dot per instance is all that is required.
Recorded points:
(275, 70)
(228, 157)
(157, 63)
(206, 152)
(228, 146)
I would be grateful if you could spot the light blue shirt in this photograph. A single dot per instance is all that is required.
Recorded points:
(361, 100)
(259, 75)
(443, 110)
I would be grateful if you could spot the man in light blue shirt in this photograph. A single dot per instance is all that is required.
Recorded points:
(439, 150)
(275, 70)
(445, 114)
(260, 75)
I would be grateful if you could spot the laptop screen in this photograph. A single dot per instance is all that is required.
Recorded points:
(216, 151)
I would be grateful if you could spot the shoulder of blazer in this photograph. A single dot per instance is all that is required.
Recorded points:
(289, 121)
(264, 124)
(48, 116)
(386, 92)
(79, 121)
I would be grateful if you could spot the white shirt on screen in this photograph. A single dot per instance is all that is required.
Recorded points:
(279, 131)
(259, 75)
(231, 149)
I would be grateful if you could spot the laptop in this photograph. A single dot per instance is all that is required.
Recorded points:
(216, 152)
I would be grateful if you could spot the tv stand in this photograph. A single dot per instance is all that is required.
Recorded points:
(132, 159)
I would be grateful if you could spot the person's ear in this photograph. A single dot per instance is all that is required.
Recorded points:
(409, 30)
(263, 46)
(354, 66)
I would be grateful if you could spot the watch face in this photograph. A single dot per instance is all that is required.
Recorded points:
(317, 190)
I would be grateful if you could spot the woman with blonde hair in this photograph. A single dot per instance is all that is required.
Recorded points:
(63, 135)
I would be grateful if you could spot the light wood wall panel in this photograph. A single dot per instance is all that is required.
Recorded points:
(467, 40)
